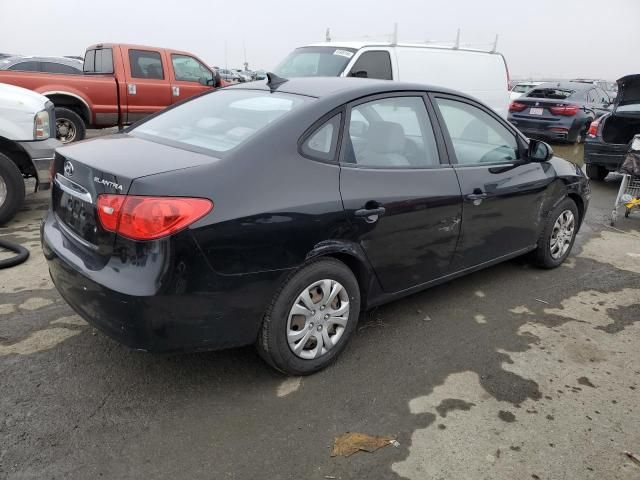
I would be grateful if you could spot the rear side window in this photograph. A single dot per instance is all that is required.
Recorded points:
(375, 64)
(322, 143)
(51, 67)
(26, 67)
(98, 60)
(146, 64)
(220, 121)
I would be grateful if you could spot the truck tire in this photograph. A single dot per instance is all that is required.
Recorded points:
(69, 126)
(596, 172)
(11, 189)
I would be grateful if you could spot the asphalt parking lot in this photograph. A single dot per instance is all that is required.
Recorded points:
(511, 372)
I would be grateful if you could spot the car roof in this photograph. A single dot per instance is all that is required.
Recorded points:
(321, 87)
(357, 45)
(8, 61)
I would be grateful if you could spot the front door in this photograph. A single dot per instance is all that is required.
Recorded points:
(148, 89)
(189, 77)
(399, 192)
(502, 193)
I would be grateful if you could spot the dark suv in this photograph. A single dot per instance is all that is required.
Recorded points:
(609, 136)
(559, 111)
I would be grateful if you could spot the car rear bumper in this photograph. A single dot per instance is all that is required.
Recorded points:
(556, 130)
(609, 156)
(41, 153)
(193, 308)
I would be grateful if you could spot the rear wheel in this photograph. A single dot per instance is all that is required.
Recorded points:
(311, 318)
(69, 125)
(558, 235)
(11, 189)
(596, 172)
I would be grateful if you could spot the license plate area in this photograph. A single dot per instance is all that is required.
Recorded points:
(536, 111)
(78, 215)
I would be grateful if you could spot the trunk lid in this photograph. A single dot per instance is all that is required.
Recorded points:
(107, 165)
(628, 99)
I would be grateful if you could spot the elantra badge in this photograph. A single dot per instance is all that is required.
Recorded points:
(68, 168)
(107, 183)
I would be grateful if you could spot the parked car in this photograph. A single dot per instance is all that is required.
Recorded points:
(559, 111)
(228, 75)
(374, 190)
(244, 76)
(27, 143)
(482, 75)
(121, 85)
(260, 75)
(42, 64)
(610, 87)
(609, 136)
(521, 88)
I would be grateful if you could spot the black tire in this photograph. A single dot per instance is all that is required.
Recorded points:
(21, 254)
(272, 344)
(64, 115)
(12, 179)
(541, 256)
(581, 135)
(596, 172)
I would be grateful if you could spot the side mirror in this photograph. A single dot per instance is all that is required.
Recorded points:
(539, 151)
(360, 74)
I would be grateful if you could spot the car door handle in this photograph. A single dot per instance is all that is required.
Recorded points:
(367, 212)
(477, 196)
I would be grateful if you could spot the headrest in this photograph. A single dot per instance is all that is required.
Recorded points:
(385, 137)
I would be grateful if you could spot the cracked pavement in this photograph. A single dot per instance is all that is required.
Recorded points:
(511, 372)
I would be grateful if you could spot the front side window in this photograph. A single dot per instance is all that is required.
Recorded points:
(391, 132)
(315, 62)
(188, 69)
(322, 143)
(374, 64)
(476, 136)
(145, 64)
(26, 67)
(218, 122)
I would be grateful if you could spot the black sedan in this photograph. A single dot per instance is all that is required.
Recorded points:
(559, 111)
(609, 136)
(275, 213)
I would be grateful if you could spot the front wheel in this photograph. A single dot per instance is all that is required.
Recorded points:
(596, 172)
(11, 189)
(558, 235)
(69, 125)
(311, 318)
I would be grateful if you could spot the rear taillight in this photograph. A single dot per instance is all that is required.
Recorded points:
(517, 107)
(566, 110)
(149, 218)
(593, 129)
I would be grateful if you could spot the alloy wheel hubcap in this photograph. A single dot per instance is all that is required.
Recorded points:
(317, 319)
(562, 234)
(65, 130)
(3, 191)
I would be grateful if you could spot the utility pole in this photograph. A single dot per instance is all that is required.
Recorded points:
(246, 64)
(226, 65)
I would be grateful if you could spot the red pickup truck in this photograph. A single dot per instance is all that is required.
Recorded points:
(121, 84)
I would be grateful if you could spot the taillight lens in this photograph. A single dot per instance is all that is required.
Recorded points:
(149, 218)
(517, 107)
(593, 129)
(566, 110)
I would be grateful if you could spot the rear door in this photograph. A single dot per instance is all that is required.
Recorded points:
(502, 194)
(148, 88)
(399, 192)
(189, 76)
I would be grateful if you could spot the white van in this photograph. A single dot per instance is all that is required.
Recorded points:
(483, 75)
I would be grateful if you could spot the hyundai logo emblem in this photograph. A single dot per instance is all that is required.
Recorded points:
(68, 168)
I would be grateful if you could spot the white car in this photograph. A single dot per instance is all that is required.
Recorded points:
(521, 88)
(27, 143)
(480, 74)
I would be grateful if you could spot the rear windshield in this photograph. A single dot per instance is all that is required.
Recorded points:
(219, 121)
(552, 93)
(315, 62)
(98, 60)
(522, 88)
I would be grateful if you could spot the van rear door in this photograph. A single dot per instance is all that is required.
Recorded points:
(147, 76)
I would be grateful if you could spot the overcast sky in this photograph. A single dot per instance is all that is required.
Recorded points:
(561, 38)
